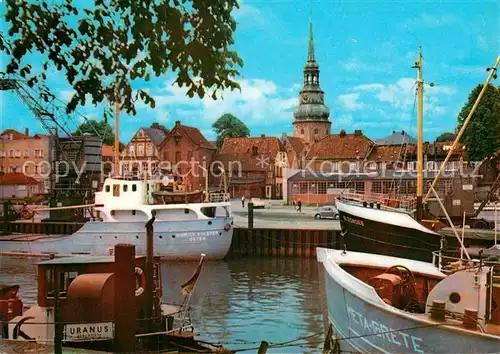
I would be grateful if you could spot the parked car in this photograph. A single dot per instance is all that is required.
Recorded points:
(258, 203)
(327, 212)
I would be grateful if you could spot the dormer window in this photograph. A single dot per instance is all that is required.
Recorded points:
(255, 150)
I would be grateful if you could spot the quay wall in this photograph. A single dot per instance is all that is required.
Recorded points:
(246, 242)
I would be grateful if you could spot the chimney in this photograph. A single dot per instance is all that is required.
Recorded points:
(26, 132)
(262, 135)
(357, 132)
(342, 133)
(177, 123)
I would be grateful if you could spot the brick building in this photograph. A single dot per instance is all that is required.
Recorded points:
(142, 152)
(188, 153)
(22, 153)
(255, 166)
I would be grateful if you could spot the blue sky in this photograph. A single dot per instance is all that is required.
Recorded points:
(365, 50)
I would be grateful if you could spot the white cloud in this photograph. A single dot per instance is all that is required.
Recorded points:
(259, 101)
(357, 65)
(247, 11)
(350, 101)
(399, 95)
(368, 87)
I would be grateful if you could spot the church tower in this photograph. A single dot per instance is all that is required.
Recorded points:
(311, 115)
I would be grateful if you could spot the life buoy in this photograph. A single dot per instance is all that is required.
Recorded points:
(142, 281)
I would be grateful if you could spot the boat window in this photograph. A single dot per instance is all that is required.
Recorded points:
(108, 188)
(65, 279)
(208, 211)
(134, 187)
(186, 211)
(125, 187)
(133, 212)
(116, 190)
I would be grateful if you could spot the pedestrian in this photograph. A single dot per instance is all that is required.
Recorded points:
(242, 201)
(299, 206)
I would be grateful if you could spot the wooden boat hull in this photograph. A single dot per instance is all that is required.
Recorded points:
(363, 323)
(393, 233)
(173, 240)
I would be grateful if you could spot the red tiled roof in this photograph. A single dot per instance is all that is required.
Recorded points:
(298, 144)
(107, 150)
(15, 134)
(341, 146)
(16, 178)
(265, 146)
(192, 133)
(384, 153)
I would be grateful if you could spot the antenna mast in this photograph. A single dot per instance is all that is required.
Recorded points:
(420, 132)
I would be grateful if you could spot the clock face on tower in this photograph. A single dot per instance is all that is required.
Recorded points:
(304, 97)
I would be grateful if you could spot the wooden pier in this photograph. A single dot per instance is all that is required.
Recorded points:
(246, 242)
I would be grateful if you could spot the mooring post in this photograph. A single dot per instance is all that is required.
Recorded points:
(58, 333)
(125, 312)
(250, 215)
(148, 289)
(263, 347)
(5, 217)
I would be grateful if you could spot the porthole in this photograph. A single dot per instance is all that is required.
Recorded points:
(455, 298)
(173, 236)
(137, 237)
(160, 236)
(209, 222)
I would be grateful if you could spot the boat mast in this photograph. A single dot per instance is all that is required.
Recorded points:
(493, 74)
(420, 131)
(117, 139)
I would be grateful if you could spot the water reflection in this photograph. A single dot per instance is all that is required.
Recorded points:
(240, 302)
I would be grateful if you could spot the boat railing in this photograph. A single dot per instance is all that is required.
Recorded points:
(384, 200)
(218, 197)
(448, 261)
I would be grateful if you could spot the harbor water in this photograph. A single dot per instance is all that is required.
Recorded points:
(237, 303)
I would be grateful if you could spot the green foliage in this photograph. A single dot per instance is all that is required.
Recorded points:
(446, 137)
(103, 45)
(228, 126)
(482, 135)
(156, 125)
(98, 128)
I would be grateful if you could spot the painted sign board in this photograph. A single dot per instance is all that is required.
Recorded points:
(89, 331)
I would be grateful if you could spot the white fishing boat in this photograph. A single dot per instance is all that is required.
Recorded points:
(383, 304)
(185, 225)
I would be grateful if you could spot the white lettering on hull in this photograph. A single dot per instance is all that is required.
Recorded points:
(385, 333)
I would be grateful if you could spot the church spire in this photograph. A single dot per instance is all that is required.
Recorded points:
(310, 52)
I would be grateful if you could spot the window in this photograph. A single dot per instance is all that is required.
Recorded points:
(315, 130)
(26, 153)
(134, 187)
(150, 149)
(177, 156)
(11, 153)
(125, 168)
(108, 188)
(302, 131)
(140, 149)
(255, 150)
(65, 279)
(18, 153)
(116, 190)
(26, 169)
(131, 149)
(2, 153)
(125, 187)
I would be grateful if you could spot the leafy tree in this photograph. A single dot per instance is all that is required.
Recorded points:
(446, 137)
(159, 126)
(98, 128)
(228, 126)
(482, 136)
(103, 45)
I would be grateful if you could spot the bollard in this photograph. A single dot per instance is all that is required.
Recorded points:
(263, 347)
(125, 300)
(470, 318)
(438, 310)
(250, 215)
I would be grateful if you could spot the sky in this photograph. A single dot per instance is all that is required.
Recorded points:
(365, 50)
